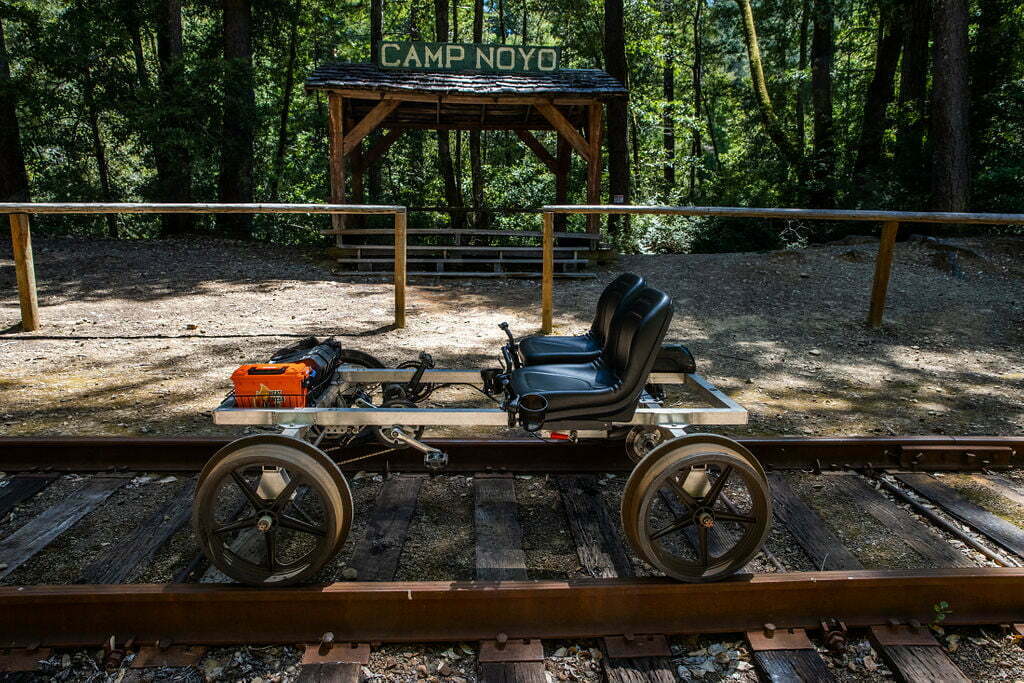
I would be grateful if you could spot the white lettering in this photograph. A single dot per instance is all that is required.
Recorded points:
(411, 56)
(451, 51)
(511, 54)
(432, 58)
(384, 47)
(526, 56)
(480, 58)
(547, 59)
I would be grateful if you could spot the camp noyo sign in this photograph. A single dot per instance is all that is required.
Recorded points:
(468, 57)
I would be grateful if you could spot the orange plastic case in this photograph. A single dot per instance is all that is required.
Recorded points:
(277, 385)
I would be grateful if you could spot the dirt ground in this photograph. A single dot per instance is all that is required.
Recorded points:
(141, 337)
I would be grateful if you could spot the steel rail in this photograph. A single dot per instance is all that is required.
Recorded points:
(187, 454)
(210, 614)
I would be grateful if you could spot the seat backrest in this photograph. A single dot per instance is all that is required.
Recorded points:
(615, 295)
(636, 334)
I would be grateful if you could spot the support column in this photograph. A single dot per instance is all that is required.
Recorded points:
(883, 267)
(336, 136)
(594, 121)
(547, 281)
(563, 164)
(21, 241)
(400, 275)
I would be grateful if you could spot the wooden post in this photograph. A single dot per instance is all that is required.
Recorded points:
(594, 115)
(336, 136)
(547, 281)
(883, 266)
(21, 241)
(400, 223)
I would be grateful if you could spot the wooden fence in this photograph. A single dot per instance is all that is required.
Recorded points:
(22, 241)
(890, 221)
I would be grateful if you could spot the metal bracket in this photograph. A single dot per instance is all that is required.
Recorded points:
(770, 638)
(899, 634)
(505, 649)
(629, 645)
(22, 658)
(332, 653)
(176, 655)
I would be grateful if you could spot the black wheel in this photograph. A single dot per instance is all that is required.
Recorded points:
(270, 510)
(696, 509)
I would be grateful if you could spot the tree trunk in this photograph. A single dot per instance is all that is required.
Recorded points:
(171, 153)
(286, 104)
(617, 118)
(997, 43)
(773, 127)
(697, 143)
(801, 85)
(13, 178)
(880, 91)
(132, 24)
(912, 111)
(98, 147)
(236, 162)
(501, 22)
(823, 164)
(668, 91)
(526, 14)
(376, 34)
(949, 122)
(452, 192)
(475, 160)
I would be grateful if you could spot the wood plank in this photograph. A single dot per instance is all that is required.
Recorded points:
(376, 556)
(566, 129)
(919, 537)
(821, 545)
(546, 157)
(792, 665)
(547, 275)
(512, 672)
(40, 531)
(368, 123)
(998, 530)
(123, 558)
(598, 546)
(640, 669)
(883, 268)
(15, 490)
(332, 672)
(25, 272)
(1006, 488)
(921, 664)
(400, 277)
(499, 538)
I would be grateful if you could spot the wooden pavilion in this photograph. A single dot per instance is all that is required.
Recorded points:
(363, 97)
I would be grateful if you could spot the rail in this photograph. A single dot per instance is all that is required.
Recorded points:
(21, 239)
(883, 263)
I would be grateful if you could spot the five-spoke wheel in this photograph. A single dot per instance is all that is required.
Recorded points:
(697, 508)
(270, 510)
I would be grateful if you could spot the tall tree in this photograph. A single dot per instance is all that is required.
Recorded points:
(997, 44)
(476, 172)
(801, 85)
(376, 35)
(236, 159)
(99, 147)
(287, 88)
(772, 124)
(668, 90)
(874, 123)
(13, 178)
(697, 144)
(912, 103)
(823, 163)
(172, 157)
(452, 192)
(618, 114)
(949, 121)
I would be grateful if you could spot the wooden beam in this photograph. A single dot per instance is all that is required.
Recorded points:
(369, 123)
(381, 148)
(594, 125)
(562, 125)
(883, 267)
(400, 277)
(21, 243)
(540, 150)
(375, 96)
(547, 281)
(336, 137)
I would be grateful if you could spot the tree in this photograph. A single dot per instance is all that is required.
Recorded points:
(13, 178)
(668, 81)
(912, 104)
(236, 160)
(823, 162)
(875, 122)
(476, 172)
(949, 122)
(452, 192)
(618, 114)
(172, 157)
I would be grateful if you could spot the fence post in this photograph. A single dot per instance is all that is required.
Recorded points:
(547, 281)
(883, 266)
(21, 242)
(400, 251)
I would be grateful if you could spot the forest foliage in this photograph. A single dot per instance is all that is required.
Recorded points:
(902, 104)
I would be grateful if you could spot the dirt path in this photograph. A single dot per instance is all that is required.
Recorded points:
(141, 337)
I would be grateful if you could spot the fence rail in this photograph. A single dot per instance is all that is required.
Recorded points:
(883, 263)
(21, 239)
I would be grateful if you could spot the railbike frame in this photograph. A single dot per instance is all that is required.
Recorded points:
(348, 379)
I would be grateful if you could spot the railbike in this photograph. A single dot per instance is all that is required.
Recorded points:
(273, 509)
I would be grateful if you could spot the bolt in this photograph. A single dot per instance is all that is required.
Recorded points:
(502, 639)
(769, 630)
(706, 520)
(264, 523)
(326, 640)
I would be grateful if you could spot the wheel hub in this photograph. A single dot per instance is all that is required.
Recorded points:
(705, 519)
(264, 523)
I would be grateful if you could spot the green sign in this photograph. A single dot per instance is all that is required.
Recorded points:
(468, 57)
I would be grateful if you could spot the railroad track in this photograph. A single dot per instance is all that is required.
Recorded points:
(818, 582)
